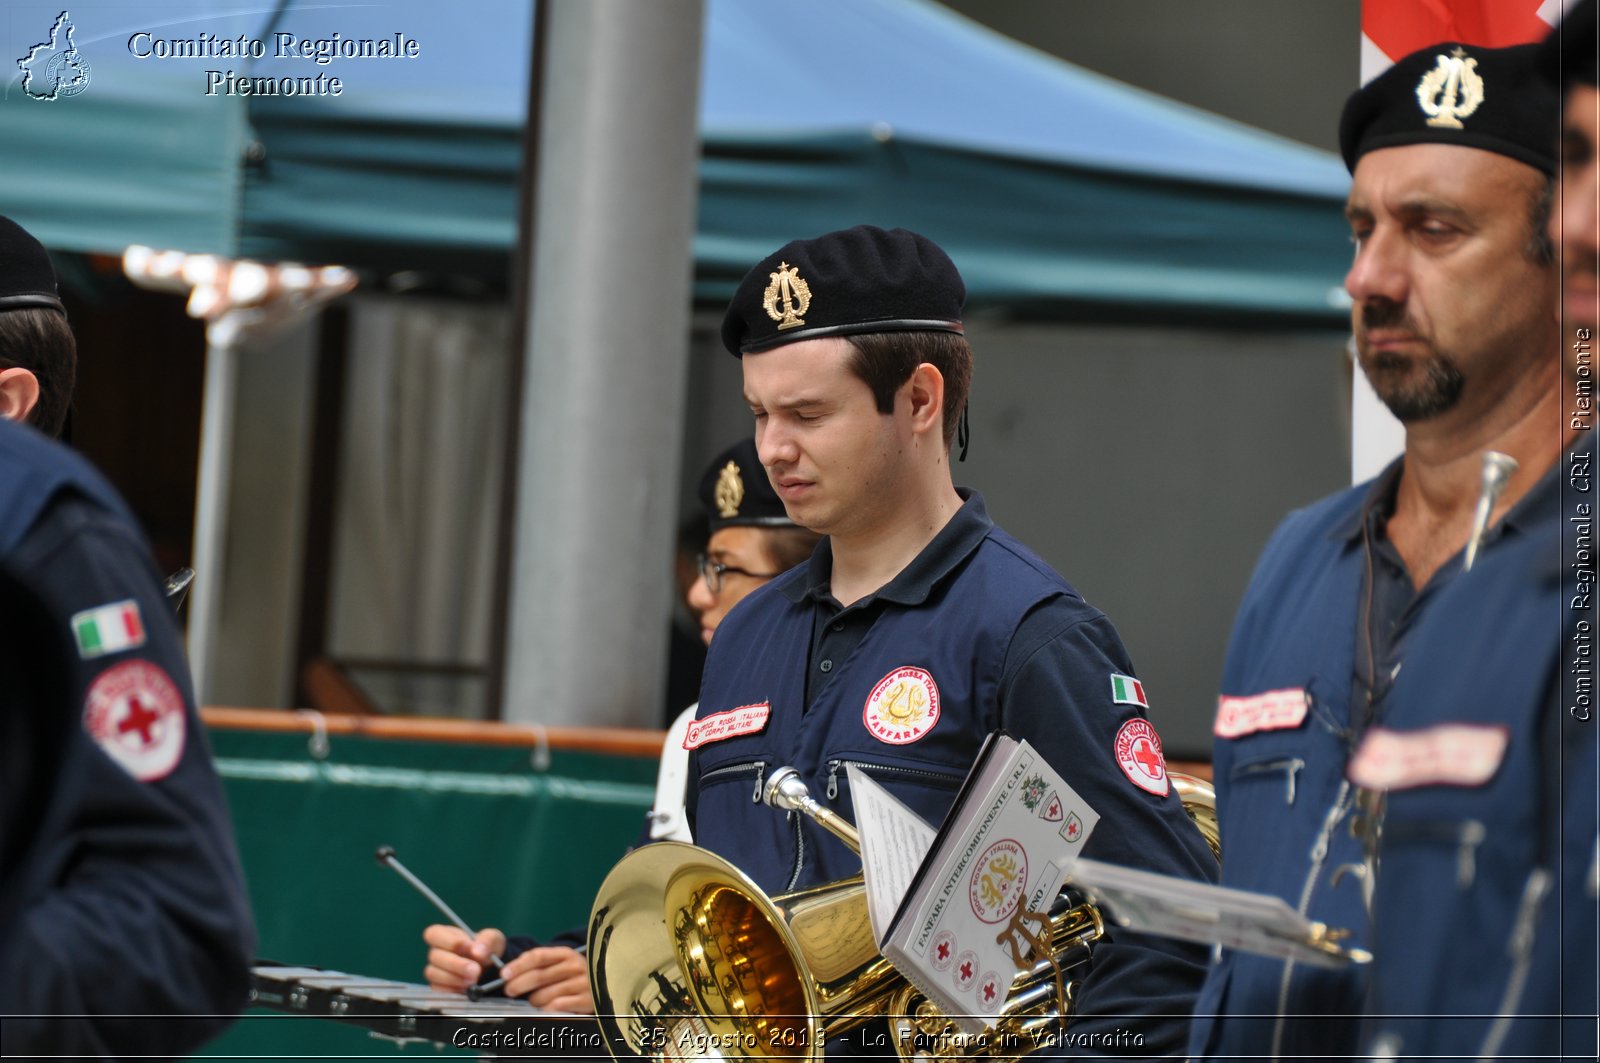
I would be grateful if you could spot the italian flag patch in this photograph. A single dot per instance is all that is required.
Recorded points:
(1126, 690)
(108, 629)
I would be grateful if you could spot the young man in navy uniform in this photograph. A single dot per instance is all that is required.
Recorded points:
(1487, 756)
(125, 929)
(1451, 152)
(917, 627)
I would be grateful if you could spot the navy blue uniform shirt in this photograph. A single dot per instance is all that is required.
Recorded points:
(1313, 636)
(1484, 923)
(121, 897)
(975, 634)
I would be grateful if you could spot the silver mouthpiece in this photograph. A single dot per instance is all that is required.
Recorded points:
(785, 789)
(1497, 470)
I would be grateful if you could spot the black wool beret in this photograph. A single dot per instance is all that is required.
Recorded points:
(846, 283)
(1571, 54)
(1495, 99)
(735, 490)
(26, 276)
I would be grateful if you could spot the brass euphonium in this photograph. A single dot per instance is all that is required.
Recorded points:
(690, 958)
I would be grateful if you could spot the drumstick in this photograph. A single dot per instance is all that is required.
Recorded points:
(385, 855)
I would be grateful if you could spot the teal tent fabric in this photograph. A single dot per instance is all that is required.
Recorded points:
(1060, 193)
(488, 829)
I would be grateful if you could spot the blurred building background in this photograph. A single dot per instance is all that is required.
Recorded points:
(1156, 313)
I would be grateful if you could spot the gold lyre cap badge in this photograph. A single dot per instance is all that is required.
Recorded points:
(852, 282)
(1501, 100)
(729, 491)
(795, 294)
(1451, 91)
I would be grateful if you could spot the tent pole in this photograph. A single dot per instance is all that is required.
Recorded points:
(605, 363)
(211, 503)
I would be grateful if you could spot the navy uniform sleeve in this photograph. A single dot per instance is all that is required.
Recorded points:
(1058, 694)
(124, 903)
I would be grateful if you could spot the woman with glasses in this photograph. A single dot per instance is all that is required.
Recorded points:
(752, 539)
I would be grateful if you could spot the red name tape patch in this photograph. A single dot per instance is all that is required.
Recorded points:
(1458, 754)
(1276, 710)
(745, 720)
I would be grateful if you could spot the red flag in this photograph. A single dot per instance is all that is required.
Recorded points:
(1400, 27)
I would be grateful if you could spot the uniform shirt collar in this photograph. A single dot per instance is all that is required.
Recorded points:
(1540, 504)
(954, 542)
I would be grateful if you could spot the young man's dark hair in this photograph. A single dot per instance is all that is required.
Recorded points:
(38, 353)
(40, 341)
(885, 360)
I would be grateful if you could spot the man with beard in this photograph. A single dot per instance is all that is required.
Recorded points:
(1451, 152)
(1489, 742)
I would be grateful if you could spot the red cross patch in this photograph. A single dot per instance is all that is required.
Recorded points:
(135, 713)
(1138, 750)
(990, 992)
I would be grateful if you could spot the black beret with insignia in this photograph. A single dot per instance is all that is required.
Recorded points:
(735, 490)
(1495, 99)
(1571, 53)
(846, 283)
(26, 276)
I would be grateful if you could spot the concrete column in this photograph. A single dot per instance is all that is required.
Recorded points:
(605, 364)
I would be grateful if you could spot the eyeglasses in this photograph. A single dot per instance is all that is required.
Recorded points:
(713, 571)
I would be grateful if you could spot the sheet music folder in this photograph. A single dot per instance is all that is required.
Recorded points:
(945, 904)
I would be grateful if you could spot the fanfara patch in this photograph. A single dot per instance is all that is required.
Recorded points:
(999, 880)
(744, 720)
(787, 297)
(1275, 710)
(903, 707)
(729, 491)
(1459, 754)
(1450, 91)
(1138, 750)
(135, 713)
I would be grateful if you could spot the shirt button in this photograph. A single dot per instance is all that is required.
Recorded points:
(826, 666)
(839, 626)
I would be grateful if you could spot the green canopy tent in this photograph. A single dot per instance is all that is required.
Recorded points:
(1059, 192)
